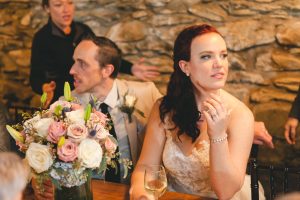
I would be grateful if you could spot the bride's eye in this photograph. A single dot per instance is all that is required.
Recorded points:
(205, 57)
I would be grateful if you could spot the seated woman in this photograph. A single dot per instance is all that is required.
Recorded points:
(201, 133)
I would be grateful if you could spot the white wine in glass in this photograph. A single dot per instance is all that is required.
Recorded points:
(155, 180)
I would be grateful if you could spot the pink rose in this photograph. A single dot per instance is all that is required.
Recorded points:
(102, 117)
(56, 130)
(101, 132)
(110, 146)
(77, 132)
(68, 151)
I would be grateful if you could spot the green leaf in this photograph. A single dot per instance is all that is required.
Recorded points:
(103, 165)
(67, 92)
(43, 98)
(87, 113)
(113, 139)
(125, 172)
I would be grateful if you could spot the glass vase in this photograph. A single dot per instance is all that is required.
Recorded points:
(81, 192)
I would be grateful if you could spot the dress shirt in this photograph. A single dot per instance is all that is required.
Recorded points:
(113, 101)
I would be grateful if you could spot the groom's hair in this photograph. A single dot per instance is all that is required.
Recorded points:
(108, 53)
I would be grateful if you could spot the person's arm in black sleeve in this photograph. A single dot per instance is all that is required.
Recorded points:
(126, 67)
(295, 109)
(37, 71)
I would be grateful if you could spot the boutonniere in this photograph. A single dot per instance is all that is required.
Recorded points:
(128, 106)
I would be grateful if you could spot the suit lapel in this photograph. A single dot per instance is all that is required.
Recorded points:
(131, 128)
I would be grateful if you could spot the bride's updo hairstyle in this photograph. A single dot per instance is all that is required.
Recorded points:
(180, 103)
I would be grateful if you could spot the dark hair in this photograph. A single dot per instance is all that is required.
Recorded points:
(108, 53)
(180, 100)
(45, 3)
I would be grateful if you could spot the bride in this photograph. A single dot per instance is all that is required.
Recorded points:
(198, 131)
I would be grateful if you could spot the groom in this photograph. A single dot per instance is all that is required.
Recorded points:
(96, 65)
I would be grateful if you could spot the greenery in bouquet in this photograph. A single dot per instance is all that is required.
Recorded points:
(66, 142)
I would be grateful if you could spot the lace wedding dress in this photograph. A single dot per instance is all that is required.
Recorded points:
(190, 174)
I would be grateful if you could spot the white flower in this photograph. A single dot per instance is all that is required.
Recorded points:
(76, 116)
(39, 157)
(129, 100)
(90, 153)
(42, 126)
(31, 122)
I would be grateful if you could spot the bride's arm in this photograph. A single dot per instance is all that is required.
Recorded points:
(228, 157)
(151, 153)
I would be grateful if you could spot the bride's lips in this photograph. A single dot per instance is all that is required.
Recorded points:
(218, 75)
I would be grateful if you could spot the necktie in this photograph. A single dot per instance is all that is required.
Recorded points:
(110, 174)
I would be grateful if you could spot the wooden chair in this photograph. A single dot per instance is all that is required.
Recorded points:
(280, 179)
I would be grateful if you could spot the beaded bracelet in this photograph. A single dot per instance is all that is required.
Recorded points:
(218, 140)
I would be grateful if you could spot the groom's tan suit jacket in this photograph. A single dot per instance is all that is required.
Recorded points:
(146, 94)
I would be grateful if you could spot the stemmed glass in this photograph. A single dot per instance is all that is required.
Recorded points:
(155, 180)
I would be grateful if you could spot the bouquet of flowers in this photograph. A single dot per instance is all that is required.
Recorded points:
(66, 142)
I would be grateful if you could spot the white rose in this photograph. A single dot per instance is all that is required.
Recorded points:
(76, 116)
(31, 122)
(42, 126)
(39, 157)
(90, 153)
(130, 100)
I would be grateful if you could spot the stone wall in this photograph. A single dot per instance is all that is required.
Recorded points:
(263, 37)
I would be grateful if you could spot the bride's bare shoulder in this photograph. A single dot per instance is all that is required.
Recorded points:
(234, 103)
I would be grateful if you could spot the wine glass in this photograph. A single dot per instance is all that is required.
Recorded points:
(155, 180)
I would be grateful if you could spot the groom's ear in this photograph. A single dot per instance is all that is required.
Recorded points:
(107, 70)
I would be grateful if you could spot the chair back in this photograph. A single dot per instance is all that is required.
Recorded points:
(280, 180)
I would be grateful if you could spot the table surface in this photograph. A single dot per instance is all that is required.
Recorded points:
(114, 191)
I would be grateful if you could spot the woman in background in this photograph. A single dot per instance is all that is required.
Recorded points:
(198, 131)
(53, 47)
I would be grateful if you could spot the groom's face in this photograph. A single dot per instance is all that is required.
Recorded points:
(87, 73)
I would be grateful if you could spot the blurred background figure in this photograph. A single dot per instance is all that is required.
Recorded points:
(293, 121)
(53, 46)
(14, 174)
(4, 135)
(289, 196)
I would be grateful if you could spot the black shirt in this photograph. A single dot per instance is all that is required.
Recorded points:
(52, 56)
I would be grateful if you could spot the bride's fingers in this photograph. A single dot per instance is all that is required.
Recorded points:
(209, 108)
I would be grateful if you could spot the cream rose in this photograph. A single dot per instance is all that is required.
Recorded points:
(77, 132)
(42, 126)
(90, 153)
(76, 116)
(31, 122)
(39, 157)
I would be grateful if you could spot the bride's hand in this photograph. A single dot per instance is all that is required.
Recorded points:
(216, 115)
(139, 193)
